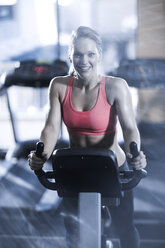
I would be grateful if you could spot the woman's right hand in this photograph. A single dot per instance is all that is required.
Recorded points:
(35, 162)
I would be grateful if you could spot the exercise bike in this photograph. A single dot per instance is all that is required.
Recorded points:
(89, 174)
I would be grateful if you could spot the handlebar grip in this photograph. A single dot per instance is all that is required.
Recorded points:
(133, 149)
(42, 175)
(38, 152)
(39, 149)
(135, 175)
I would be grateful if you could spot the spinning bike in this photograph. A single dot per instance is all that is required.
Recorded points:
(89, 174)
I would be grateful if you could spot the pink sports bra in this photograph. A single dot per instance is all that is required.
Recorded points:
(99, 120)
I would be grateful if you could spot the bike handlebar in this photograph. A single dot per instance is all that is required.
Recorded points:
(41, 174)
(133, 149)
(39, 149)
(134, 175)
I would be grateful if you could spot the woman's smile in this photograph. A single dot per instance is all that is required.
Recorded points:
(83, 68)
(85, 57)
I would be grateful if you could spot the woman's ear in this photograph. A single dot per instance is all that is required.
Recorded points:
(70, 59)
(100, 57)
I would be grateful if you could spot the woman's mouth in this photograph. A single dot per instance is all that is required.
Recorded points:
(83, 68)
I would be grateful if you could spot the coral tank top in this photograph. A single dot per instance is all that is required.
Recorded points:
(99, 120)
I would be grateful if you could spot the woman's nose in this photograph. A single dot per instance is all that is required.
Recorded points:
(84, 59)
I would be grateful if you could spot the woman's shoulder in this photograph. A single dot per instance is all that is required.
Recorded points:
(116, 87)
(60, 81)
(115, 82)
(58, 86)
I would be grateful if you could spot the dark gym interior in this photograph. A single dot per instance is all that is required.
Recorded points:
(34, 39)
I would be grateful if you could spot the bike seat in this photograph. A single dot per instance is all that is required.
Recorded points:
(86, 170)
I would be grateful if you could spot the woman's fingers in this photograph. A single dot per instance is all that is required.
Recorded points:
(139, 162)
(35, 162)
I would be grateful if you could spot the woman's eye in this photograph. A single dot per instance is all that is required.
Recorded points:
(77, 55)
(91, 54)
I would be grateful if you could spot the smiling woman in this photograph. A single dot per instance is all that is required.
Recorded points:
(81, 50)
(85, 56)
(89, 104)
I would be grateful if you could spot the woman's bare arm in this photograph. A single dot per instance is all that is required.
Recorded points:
(124, 108)
(51, 130)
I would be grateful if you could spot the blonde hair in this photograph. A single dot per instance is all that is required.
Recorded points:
(85, 32)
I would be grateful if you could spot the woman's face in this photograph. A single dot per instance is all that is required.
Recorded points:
(85, 57)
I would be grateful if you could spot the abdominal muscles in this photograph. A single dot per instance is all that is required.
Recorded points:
(107, 141)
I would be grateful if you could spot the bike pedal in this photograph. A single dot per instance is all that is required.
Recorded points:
(106, 216)
(106, 243)
(109, 244)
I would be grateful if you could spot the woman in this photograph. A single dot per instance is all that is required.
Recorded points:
(89, 104)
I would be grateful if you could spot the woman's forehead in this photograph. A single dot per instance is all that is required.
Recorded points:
(84, 43)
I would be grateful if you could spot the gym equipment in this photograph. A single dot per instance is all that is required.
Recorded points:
(141, 73)
(89, 174)
(30, 74)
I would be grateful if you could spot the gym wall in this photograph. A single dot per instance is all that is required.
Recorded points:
(151, 29)
(151, 44)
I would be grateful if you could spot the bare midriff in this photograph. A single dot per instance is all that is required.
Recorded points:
(107, 141)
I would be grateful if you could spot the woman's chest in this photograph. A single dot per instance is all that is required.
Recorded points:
(84, 100)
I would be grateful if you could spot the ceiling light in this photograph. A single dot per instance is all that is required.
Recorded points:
(8, 2)
(65, 2)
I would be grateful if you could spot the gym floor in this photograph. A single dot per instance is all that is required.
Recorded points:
(30, 216)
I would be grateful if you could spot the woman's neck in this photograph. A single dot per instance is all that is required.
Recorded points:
(89, 82)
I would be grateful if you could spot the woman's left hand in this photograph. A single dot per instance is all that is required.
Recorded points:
(139, 162)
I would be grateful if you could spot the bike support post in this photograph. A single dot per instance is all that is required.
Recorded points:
(90, 220)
